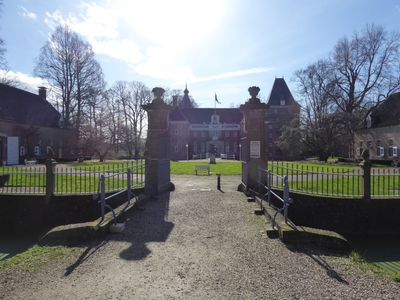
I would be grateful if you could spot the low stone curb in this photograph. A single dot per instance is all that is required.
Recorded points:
(75, 233)
(291, 234)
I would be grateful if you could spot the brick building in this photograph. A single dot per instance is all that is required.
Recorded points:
(29, 127)
(195, 132)
(381, 131)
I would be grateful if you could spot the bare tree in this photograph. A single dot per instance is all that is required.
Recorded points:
(131, 96)
(321, 124)
(364, 67)
(68, 63)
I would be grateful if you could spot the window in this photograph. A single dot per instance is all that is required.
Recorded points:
(227, 133)
(21, 151)
(194, 133)
(393, 151)
(283, 102)
(390, 142)
(380, 151)
(270, 135)
(36, 150)
(369, 144)
(176, 148)
(270, 126)
(235, 133)
(203, 134)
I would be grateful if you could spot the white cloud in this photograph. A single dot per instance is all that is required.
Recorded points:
(124, 49)
(232, 74)
(53, 19)
(150, 36)
(27, 14)
(30, 83)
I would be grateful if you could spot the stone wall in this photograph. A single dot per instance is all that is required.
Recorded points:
(346, 216)
(23, 213)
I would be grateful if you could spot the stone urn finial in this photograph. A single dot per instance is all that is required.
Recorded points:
(158, 93)
(254, 90)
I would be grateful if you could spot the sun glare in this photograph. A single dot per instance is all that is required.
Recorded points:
(174, 22)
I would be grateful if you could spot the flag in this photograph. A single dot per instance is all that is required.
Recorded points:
(216, 99)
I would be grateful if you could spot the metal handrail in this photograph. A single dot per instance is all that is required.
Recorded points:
(103, 199)
(285, 199)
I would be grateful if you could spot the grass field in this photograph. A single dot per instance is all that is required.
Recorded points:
(223, 167)
(35, 257)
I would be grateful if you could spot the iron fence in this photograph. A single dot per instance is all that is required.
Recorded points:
(23, 180)
(78, 179)
(335, 181)
(385, 183)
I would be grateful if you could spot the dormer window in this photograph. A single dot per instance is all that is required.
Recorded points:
(283, 102)
(214, 119)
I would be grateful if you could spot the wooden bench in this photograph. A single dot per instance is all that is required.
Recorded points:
(202, 168)
(30, 162)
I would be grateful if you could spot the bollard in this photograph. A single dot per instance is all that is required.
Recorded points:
(218, 181)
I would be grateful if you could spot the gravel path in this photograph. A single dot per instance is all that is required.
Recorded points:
(198, 243)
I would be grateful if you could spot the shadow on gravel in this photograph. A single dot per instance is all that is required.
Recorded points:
(315, 254)
(89, 251)
(147, 225)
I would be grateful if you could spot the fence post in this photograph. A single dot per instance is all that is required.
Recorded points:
(128, 177)
(366, 166)
(50, 179)
(102, 195)
(285, 197)
(269, 186)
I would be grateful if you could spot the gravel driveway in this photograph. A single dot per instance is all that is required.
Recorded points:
(199, 243)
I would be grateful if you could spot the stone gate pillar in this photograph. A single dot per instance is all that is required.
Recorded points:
(254, 142)
(157, 170)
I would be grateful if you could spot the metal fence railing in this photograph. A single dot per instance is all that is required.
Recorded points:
(73, 179)
(267, 181)
(23, 180)
(385, 183)
(335, 181)
(319, 180)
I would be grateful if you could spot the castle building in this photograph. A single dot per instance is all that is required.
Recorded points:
(197, 132)
(380, 133)
(30, 127)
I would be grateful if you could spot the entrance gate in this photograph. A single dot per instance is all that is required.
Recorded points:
(252, 147)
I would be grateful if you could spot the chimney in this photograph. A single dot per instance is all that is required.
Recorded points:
(42, 93)
(175, 101)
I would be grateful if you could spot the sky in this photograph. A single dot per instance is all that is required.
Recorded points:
(215, 46)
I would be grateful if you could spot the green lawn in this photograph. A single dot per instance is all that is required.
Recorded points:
(35, 257)
(289, 168)
(223, 167)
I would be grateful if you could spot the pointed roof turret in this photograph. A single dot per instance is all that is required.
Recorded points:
(186, 102)
(280, 92)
